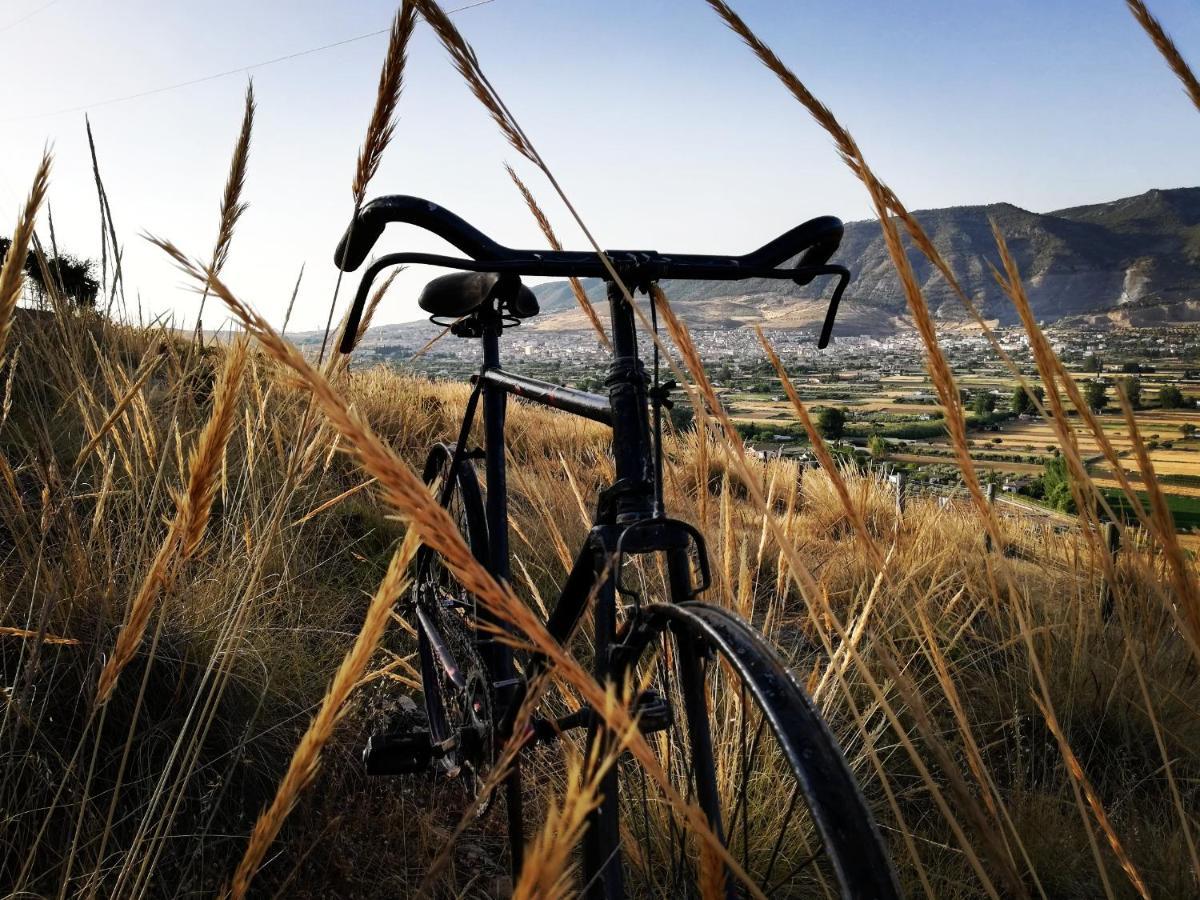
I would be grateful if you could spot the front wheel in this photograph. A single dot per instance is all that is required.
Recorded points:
(745, 744)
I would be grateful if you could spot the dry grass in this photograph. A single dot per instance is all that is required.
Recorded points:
(937, 596)
(12, 272)
(383, 118)
(303, 767)
(1167, 48)
(191, 518)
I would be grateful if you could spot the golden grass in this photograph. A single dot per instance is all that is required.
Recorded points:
(232, 205)
(186, 530)
(382, 125)
(1167, 48)
(12, 272)
(303, 766)
(552, 239)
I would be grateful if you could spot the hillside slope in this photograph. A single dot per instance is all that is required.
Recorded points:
(1137, 256)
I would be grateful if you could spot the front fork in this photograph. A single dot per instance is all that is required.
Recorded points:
(603, 870)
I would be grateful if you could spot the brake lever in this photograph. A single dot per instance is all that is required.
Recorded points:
(831, 313)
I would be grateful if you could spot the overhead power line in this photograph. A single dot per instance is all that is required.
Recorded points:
(29, 15)
(216, 75)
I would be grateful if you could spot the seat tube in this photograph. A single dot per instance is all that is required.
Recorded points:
(496, 503)
(494, 410)
(630, 410)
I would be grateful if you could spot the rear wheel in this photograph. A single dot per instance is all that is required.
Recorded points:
(746, 745)
(459, 712)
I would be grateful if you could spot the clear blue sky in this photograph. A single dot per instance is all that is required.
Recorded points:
(661, 126)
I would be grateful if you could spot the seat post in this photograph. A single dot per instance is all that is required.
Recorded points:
(494, 409)
(627, 384)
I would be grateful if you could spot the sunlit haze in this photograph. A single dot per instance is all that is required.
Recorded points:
(660, 125)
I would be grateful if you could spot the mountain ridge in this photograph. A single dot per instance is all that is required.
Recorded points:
(1134, 260)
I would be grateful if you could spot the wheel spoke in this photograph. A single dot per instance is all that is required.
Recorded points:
(800, 867)
(782, 831)
(743, 791)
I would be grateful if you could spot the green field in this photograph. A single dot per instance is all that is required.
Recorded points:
(1184, 510)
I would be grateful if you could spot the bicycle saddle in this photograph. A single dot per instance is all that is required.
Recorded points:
(461, 293)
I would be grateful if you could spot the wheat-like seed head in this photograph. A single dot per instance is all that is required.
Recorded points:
(187, 527)
(576, 287)
(935, 358)
(1167, 48)
(118, 410)
(208, 454)
(340, 362)
(12, 272)
(232, 206)
(383, 118)
(1012, 285)
(467, 64)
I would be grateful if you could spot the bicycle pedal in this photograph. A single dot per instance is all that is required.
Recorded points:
(398, 754)
(653, 712)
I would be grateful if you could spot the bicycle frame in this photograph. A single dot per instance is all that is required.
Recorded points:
(627, 522)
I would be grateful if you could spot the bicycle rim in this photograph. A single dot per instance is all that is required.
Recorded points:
(452, 610)
(774, 787)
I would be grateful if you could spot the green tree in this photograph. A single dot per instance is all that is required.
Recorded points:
(1170, 397)
(1021, 403)
(983, 403)
(1091, 363)
(72, 277)
(1096, 395)
(1132, 386)
(1056, 485)
(682, 415)
(877, 446)
(1188, 430)
(831, 422)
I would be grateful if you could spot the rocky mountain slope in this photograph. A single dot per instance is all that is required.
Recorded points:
(1131, 261)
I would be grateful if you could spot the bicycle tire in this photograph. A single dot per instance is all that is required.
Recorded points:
(737, 665)
(452, 610)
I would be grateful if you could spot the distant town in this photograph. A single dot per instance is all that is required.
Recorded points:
(876, 405)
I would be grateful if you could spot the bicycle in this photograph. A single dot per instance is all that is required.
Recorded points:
(731, 726)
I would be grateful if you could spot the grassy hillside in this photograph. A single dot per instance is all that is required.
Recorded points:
(156, 791)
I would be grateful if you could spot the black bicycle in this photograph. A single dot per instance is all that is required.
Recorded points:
(730, 725)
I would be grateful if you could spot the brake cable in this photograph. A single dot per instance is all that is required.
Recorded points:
(658, 396)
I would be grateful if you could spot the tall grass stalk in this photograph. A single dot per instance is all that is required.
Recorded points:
(12, 272)
(552, 239)
(1167, 48)
(191, 517)
(232, 205)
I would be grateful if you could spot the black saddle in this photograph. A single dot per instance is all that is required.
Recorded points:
(461, 293)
